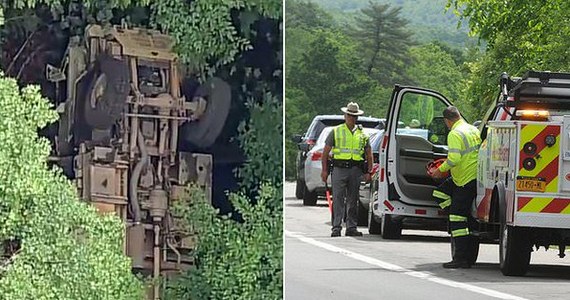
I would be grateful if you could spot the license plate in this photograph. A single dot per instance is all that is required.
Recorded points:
(531, 185)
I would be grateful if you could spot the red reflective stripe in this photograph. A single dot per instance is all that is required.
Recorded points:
(388, 205)
(522, 201)
(421, 211)
(556, 206)
(550, 172)
(382, 175)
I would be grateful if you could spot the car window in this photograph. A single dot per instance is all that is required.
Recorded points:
(422, 115)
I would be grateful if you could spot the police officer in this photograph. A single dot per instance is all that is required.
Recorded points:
(349, 144)
(457, 193)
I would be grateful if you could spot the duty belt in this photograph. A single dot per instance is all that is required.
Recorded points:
(347, 163)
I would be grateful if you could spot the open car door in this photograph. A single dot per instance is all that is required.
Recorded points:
(416, 135)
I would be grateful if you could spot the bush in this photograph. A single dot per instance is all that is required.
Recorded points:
(59, 247)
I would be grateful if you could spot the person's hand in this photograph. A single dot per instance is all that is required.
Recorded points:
(324, 175)
(437, 174)
(367, 177)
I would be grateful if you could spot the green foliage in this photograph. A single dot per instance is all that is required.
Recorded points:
(428, 19)
(65, 249)
(305, 14)
(242, 260)
(236, 260)
(262, 146)
(384, 41)
(520, 36)
(204, 33)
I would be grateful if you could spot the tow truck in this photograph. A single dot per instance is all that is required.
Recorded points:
(523, 193)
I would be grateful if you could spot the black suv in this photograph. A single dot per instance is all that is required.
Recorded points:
(306, 141)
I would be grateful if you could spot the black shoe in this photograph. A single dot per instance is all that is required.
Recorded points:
(335, 233)
(457, 264)
(353, 232)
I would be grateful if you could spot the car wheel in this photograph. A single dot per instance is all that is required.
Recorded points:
(390, 229)
(300, 189)
(514, 251)
(362, 214)
(373, 226)
(309, 198)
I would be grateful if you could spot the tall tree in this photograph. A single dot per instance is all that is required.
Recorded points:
(384, 41)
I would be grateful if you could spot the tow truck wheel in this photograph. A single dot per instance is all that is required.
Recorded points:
(310, 198)
(390, 229)
(373, 226)
(514, 251)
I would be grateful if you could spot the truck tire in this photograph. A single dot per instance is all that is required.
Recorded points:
(300, 189)
(390, 229)
(514, 250)
(361, 214)
(373, 226)
(309, 198)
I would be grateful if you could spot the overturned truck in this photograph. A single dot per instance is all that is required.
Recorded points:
(122, 117)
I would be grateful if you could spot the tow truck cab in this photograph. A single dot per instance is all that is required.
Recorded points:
(523, 193)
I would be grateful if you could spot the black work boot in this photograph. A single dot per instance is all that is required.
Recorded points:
(335, 232)
(352, 232)
(457, 264)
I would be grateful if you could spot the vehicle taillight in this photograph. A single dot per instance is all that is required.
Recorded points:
(311, 142)
(316, 156)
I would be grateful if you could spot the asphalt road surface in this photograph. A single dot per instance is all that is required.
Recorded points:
(320, 267)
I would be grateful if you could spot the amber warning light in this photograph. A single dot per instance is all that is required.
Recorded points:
(532, 114)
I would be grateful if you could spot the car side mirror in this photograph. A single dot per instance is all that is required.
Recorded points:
(381, 126)
(297, 138)
(477, 123)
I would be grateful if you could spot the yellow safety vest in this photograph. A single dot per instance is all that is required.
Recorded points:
(348, 145)
(463, 151)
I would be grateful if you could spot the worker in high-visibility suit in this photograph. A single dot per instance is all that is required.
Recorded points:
(459, 191)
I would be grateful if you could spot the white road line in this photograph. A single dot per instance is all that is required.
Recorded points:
(396, 268)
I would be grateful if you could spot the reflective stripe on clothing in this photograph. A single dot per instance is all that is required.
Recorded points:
(460, 232)
(456, 218)
(463, 141)
(349, 145)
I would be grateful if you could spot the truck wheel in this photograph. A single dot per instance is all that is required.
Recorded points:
(362, 214)
(373, 226)
(514, 251)
(391, 229)
(300, 189)
(309, 198)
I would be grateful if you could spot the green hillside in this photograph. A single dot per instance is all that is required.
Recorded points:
(428, 19)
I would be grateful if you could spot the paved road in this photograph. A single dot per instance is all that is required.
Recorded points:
(320, 267)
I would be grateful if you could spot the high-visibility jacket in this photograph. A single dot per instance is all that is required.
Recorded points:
(349, 145)
(463, 150)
